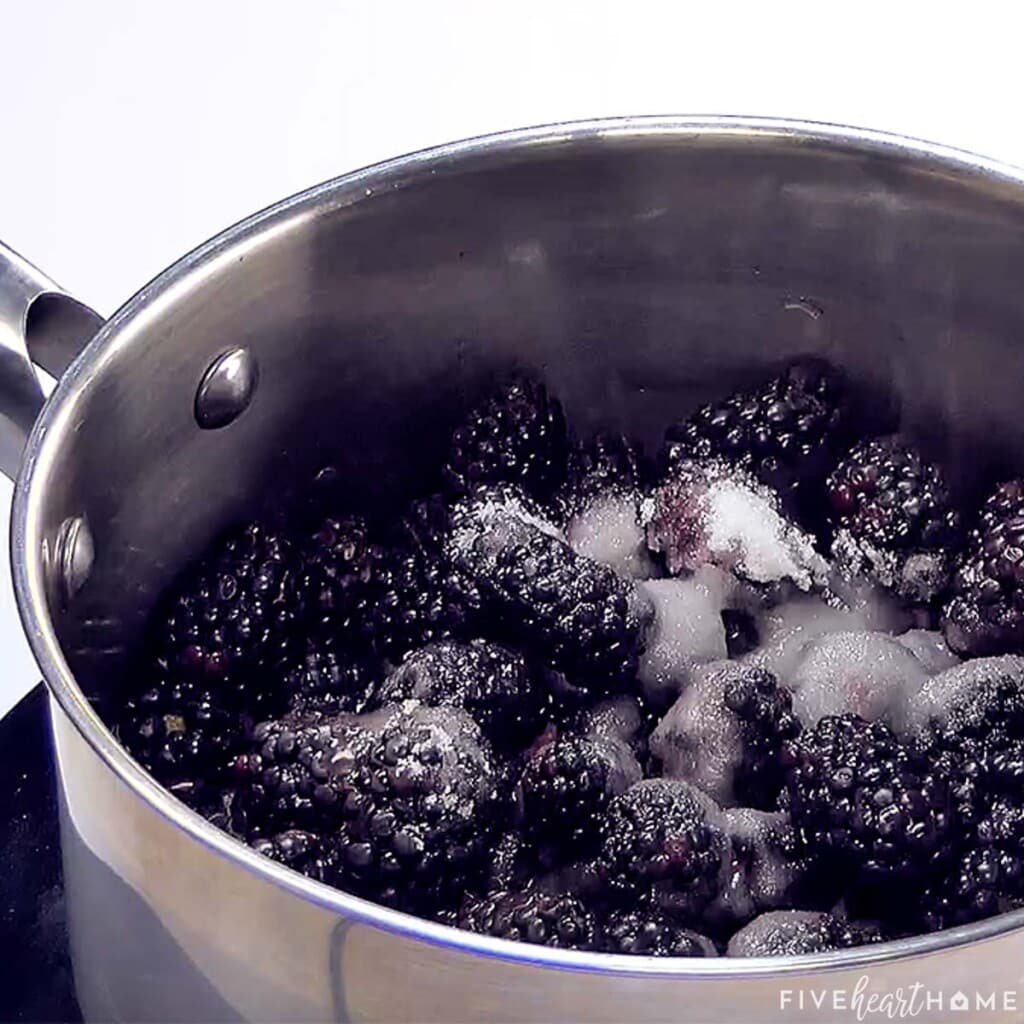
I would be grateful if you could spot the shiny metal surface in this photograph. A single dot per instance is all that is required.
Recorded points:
(641, 265)
(73, 557)
(36, 315)
(226, 389)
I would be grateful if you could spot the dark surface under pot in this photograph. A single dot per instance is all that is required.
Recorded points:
(35, 977)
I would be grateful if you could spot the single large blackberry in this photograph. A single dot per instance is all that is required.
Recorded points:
(970, 725)
(787, 432)
(986, 613)
(665, 840)
(492, 683)
(275, 788)
(517, 434)
(564, 790)
(863, 801)
(893, 518)
(327, 677)
(409, 796)
(648, 931)
(970, 721)
(529, 915)
(575, 614)
(765, 713)
(416, 598)
(605, 463)
(233, 616)
(181, 732)
(338, 563)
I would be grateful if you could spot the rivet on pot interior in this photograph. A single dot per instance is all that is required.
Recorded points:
(226, 389)
(74, 555)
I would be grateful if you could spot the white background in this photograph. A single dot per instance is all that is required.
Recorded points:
(131, 131)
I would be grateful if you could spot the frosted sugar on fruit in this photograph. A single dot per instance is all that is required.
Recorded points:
(800, 932)
(724, 733)
(686, 631)
(930, 648)
(786, 628)
(608, 530)
(864, 673)
(710, 513)
(766, 872)
(960, 698)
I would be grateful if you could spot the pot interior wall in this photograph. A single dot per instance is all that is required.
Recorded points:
(638, 272)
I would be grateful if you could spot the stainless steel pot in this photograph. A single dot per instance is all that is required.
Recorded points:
(641, 264)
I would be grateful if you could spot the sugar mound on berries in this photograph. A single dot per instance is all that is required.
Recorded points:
(699, 739)
(864, 673)
(608, 530)
(786, 628)
(931, 649)
(961, 696)
(746, 529)
(686, 631)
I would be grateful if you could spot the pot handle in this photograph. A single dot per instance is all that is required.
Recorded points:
(39, 324)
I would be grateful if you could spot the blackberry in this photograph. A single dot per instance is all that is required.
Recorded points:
(893, 519)
(425, 524)
(306, 852)
(275, 779)
(330, 681)
(726, 732)
(416, 598)
(765, 713)
(564, 791)
(665, 840)
(338, 562)
(864, 802)
(986, 880)
(181, 732)
(710, 513)
(233, 616)
(573, 613)
(741, 633)
(986, 613)
(492, 683)
(529, 915)
(607, 462)
(787, 432)
(970, 725)
(518, 435)
(800, 933)
(410, 796)
(651, 932)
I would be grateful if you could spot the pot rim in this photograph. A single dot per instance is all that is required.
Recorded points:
(56, 422)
